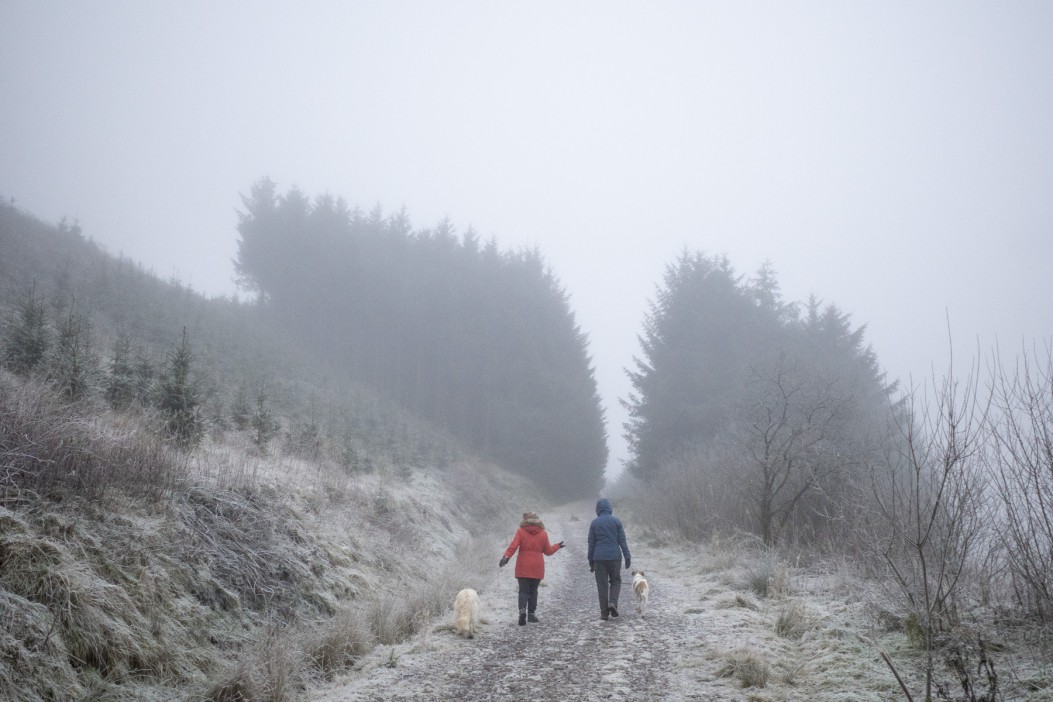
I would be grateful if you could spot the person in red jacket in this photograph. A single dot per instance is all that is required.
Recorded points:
(531, 540)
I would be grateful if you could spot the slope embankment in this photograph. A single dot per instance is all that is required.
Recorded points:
(131, 571)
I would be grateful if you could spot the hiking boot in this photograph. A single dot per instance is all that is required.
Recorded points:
(613, 611)
(532, 619)
(522, 619)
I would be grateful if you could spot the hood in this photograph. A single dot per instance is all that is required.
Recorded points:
(604, 505)
(527, 523)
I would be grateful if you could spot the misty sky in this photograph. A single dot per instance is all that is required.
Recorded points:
(894, 158)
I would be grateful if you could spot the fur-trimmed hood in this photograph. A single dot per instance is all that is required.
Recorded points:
(532, 522)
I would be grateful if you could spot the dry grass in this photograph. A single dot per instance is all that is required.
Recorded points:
(53, 449)
(747, 666)
(793, 621)
(128, 571)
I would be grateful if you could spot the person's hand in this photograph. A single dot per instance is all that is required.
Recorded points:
(503, 562)
(562, 544)
(627, 560)
(592, 567)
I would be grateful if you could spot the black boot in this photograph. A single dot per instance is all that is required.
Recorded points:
(532, 619)
(613, 610)
(522, 618)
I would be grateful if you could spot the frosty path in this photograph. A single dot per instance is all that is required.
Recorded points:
(699, 613)
(571, 655)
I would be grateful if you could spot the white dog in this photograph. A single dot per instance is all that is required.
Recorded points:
(640, 590)
(466, 612)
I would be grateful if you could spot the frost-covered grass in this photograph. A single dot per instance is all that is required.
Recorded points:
(130, 571)
(816, 632)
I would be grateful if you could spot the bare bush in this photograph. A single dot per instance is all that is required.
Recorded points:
(930, 511)
(1022, 471)
(53, 448)
(693, 494)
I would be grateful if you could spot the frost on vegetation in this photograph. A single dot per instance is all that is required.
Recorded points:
(792, 621)
(226, 589)
(741, 600)
(747, 666)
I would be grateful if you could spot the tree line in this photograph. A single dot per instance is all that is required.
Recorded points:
(479, 341)
(751, 415)
(759, 403)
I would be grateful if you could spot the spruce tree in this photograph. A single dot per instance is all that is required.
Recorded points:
(179, 399)
(73, 363)
(120, 385)
(27, 344)
(264, 426)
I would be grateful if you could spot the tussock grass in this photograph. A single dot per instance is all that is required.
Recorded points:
(793, 621)
(747, 666)
(336, 644)
(32, 654)
(766, 575)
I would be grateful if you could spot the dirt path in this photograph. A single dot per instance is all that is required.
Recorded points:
(703, 620)
(571, 655)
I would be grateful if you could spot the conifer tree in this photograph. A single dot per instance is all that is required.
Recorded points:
(179, 399)
(27, 344)
(240, 412)
(264, 426)
(120, 385)
(73, 363)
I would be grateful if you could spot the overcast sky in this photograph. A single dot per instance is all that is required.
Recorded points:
(893, 158)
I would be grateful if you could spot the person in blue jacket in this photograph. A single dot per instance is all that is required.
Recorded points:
(607, 545)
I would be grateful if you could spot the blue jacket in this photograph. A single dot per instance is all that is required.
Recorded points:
(607, 536)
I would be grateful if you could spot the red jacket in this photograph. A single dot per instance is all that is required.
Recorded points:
(531, 540)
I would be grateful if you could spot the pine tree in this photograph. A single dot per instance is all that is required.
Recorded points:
(73, 363)
(180, 399)
(120, 385)
(28, 343)
(240, 412)
(264, 426)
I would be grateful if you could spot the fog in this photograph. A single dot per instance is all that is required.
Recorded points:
(893, 158)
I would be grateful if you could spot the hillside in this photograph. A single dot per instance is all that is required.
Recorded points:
(309, 521)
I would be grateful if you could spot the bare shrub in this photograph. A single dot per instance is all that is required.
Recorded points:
(692, 494)
(930, 510)
(53, 448)
(747, 666)
(1021, 434)
(960, 657)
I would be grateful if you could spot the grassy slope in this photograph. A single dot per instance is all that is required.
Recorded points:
(129, 570)
(247, 576)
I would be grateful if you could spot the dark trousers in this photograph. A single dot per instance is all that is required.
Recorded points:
(528, 594)
(608, 583)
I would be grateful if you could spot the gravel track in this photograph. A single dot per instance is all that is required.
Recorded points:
(570, 656)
